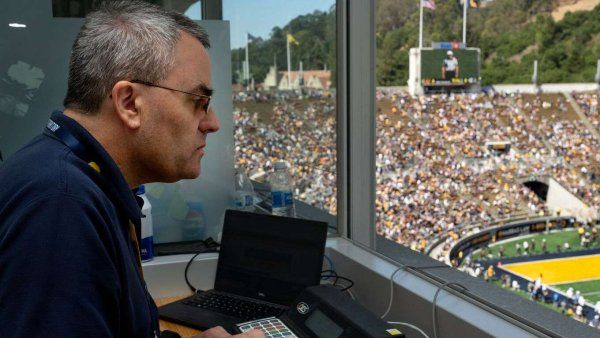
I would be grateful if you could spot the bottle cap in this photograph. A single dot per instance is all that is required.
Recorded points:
(280, 165)
(140, 190)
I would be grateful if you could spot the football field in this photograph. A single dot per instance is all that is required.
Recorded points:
(581, 273)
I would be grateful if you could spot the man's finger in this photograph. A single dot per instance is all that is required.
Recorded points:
(253, 334)
(215, 332)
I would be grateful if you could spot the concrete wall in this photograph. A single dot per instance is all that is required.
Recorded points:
(414, 73)
(569, 204)
(547, 88)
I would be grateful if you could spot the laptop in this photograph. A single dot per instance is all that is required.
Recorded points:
(265, 262)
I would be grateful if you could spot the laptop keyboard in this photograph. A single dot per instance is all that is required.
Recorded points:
(233, 306)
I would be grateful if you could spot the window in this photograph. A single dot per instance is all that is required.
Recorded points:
(284, 93)
(474, 172)
(80, 8)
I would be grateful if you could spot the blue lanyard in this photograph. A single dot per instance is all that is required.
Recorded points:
(79, 149)
(68, 139)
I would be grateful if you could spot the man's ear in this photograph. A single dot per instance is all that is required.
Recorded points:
(124, 96)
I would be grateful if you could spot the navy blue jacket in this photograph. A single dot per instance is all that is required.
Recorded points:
(68, 266)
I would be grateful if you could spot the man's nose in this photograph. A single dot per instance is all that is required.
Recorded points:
(210, 123)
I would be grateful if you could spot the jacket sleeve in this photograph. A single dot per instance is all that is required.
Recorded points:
(57, 272)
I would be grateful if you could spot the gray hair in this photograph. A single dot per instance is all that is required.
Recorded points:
(123, 40)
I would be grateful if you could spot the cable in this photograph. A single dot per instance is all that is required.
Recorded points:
(327, 277)
(392, 291)
(411, 326)
(434, 303)
(213, 249)
(342, 278)
(351, 295)
(337, 277)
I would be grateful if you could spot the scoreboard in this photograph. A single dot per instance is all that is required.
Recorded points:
(432, 61)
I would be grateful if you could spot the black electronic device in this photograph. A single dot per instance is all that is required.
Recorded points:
(264, 263)
(324, 312)
(187, 247)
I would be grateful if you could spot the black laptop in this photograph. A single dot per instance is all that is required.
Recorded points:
(264, 263)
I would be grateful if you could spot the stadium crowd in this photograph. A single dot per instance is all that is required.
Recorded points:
(589, 105)
(302, 133)
(437, 173)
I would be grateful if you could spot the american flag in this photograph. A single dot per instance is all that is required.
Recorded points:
(428, 4)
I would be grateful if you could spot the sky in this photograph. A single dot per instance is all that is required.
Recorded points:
(258, 17)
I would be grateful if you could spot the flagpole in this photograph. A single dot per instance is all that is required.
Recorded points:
(420, 24)
(289, 64)
(247, 68)
(465, 22)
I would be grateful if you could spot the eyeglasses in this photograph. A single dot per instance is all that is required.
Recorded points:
(203, 100)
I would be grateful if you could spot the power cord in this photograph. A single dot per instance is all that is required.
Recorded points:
(351, 295)
(444, 286)
(337, 277)
(419, 269)
(212, 246)
(389, 308)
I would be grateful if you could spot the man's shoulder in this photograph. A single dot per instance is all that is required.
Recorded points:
(45, 166)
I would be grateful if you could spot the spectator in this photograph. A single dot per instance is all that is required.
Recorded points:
(544, 246)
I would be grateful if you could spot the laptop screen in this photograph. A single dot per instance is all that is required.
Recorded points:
(271, 258)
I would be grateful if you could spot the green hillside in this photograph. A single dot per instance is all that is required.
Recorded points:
(316, 36)
(510, 33)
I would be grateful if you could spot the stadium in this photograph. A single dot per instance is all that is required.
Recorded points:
(440, 183)
(500, 181)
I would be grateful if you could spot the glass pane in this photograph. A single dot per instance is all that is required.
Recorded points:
(276, 120)
(33, 84)
(481, 165)
(80, 8)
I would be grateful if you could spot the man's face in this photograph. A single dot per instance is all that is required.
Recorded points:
(175, 125)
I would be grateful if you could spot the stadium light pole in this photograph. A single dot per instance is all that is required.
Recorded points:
(247, 66)
(465, 3)
(420, 25)
(534, 77)
(597, 78)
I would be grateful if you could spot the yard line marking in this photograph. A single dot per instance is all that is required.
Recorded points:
(577, 281)
(591, 293)
(549, 260)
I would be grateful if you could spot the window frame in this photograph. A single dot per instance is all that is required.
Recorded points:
(356, 120)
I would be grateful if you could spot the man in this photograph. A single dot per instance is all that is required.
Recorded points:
(136, 111)
(450, 66)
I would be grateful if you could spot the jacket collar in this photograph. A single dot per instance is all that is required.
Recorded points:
(115, 185)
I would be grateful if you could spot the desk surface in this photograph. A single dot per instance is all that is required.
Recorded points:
(184, 331)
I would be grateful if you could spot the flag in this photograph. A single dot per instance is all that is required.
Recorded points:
(291, 39)
(251, 37)
(428, 4)
(470, 4)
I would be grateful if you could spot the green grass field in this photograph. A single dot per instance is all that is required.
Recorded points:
(552, 239)
(589, 289)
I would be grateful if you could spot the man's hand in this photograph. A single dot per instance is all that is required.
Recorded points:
(219, 332)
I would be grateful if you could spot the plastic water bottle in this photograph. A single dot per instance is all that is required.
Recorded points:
(244, 191)
(282, 187)
(147, 244)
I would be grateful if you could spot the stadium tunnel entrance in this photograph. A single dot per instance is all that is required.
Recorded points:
(539, 188)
